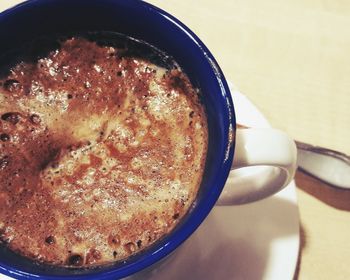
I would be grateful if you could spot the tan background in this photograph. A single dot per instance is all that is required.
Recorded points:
(292, 59)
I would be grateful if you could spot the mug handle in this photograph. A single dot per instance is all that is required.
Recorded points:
(265, 161)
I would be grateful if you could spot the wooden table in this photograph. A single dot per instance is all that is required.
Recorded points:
(292, 59)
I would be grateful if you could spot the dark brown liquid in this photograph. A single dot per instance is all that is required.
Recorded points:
(102, 150)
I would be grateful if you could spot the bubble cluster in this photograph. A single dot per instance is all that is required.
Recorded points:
(98, 159)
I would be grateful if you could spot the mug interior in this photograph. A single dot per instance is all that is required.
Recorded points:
(137, 19)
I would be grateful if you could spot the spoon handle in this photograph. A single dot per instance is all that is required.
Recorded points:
(327, 165)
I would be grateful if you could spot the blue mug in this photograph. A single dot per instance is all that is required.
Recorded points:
(140, 20)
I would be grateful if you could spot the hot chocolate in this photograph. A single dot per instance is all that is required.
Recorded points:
(102, 151)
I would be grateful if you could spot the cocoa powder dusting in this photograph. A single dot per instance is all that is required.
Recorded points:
(97, 157)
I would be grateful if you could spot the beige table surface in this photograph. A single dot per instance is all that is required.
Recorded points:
(292, 59)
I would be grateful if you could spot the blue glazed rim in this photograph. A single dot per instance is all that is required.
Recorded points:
(222, 153)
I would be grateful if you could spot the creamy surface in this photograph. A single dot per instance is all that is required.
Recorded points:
(101, 154)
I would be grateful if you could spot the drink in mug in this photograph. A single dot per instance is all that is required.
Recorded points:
(103, 147)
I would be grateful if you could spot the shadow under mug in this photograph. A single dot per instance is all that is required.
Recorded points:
(137, 19)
